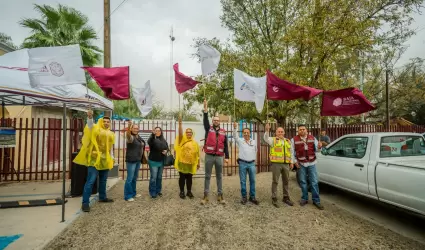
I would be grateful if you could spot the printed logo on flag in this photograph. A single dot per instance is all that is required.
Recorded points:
(44, 70)
(56, 69)
(275, 89)
(246, 87)
(346, 101)
(142, 101)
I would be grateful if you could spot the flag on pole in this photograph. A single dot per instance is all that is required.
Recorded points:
(210, 58)
(345, 102)
(115, 82)
(249, 89)
(183, 82)
(279, 89)
(55, 66)
(143, 97)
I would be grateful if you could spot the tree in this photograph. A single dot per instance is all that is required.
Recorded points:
(7, 40)
(313, 43)
(62, 26)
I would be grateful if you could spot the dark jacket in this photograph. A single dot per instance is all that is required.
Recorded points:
(207, 128)
(156, 145)
(135, 149)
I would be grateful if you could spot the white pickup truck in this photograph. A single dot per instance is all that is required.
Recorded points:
(389, 167)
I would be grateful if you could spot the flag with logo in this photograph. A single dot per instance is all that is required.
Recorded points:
(210, 58)
(279, 89)
(249, 89)
(143, 97)
(183, 82)
(55, 66)
(345, 102)
(114, 82)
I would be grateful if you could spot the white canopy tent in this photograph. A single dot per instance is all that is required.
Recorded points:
(15, 90)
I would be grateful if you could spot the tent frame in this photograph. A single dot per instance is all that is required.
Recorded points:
(12, 98)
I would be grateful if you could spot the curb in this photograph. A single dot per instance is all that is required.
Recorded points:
(112, 182)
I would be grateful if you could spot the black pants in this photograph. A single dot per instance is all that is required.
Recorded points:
(185, 178)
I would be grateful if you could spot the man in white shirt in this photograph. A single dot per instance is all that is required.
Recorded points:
(246, 160)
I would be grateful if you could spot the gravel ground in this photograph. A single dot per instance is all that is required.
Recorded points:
(172, 223)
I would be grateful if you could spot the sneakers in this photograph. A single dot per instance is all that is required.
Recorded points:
(160, 194)
(288, 201)
(274, 202)
(182, 195)
(138, 196)
(131, 199)
(319, 206)
(220, 199)
(244, 200)
(107, 200)
(85, 208)
(205, 200)
(253, 201)
(190, 195)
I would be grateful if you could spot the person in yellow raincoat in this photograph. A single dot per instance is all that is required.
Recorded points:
(97, 154)
(187, 159)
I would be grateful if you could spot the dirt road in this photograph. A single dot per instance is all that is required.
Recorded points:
(173, 223)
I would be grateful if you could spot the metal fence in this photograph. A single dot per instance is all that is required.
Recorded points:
(37, 154)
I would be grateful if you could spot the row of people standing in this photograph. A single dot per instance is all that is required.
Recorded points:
(285, 154)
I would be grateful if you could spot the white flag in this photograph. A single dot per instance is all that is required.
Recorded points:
(249, 89)
(143, 97)
(210, 58)
(55, 66)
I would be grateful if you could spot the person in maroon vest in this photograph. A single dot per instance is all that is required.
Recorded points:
(304, 147)
(215, 148)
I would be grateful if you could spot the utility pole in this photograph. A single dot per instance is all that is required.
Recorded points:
(172, 38)
(362, 79)
(387, 99)
(106, 34)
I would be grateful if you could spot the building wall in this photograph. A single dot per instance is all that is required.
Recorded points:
(40, 115)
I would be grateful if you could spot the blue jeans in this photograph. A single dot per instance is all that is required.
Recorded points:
(155, 181)
(312, 178)
(91, 178)
(132, 175)
(250, 168)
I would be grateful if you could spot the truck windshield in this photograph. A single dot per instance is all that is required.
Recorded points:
(401, 146)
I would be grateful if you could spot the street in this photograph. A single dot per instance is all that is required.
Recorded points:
(390, 217)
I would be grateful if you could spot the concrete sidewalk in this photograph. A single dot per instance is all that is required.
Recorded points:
(38, 225)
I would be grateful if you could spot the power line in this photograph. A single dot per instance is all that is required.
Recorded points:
(123, 2)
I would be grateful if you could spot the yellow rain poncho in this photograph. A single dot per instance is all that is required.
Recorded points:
(96, 148)
(187, 155)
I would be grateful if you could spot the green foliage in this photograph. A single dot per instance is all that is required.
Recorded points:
(313, 43)
(62, 26)
(6, 39)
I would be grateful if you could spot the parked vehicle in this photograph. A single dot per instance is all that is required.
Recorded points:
(389, 167)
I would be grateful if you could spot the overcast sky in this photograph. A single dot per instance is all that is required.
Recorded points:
(140, 34)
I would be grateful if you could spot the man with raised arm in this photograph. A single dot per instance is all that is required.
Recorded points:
(246, 160)
(215, 149)
(97, 154)
(280, 157)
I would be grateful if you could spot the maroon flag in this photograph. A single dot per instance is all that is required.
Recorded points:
(183, 82)
(279, 89)
(344, 102)
(113, 81)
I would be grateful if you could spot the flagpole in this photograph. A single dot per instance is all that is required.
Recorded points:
(172, 38)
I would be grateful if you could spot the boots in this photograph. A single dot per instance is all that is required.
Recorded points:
(205, 200)
(220, 199)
